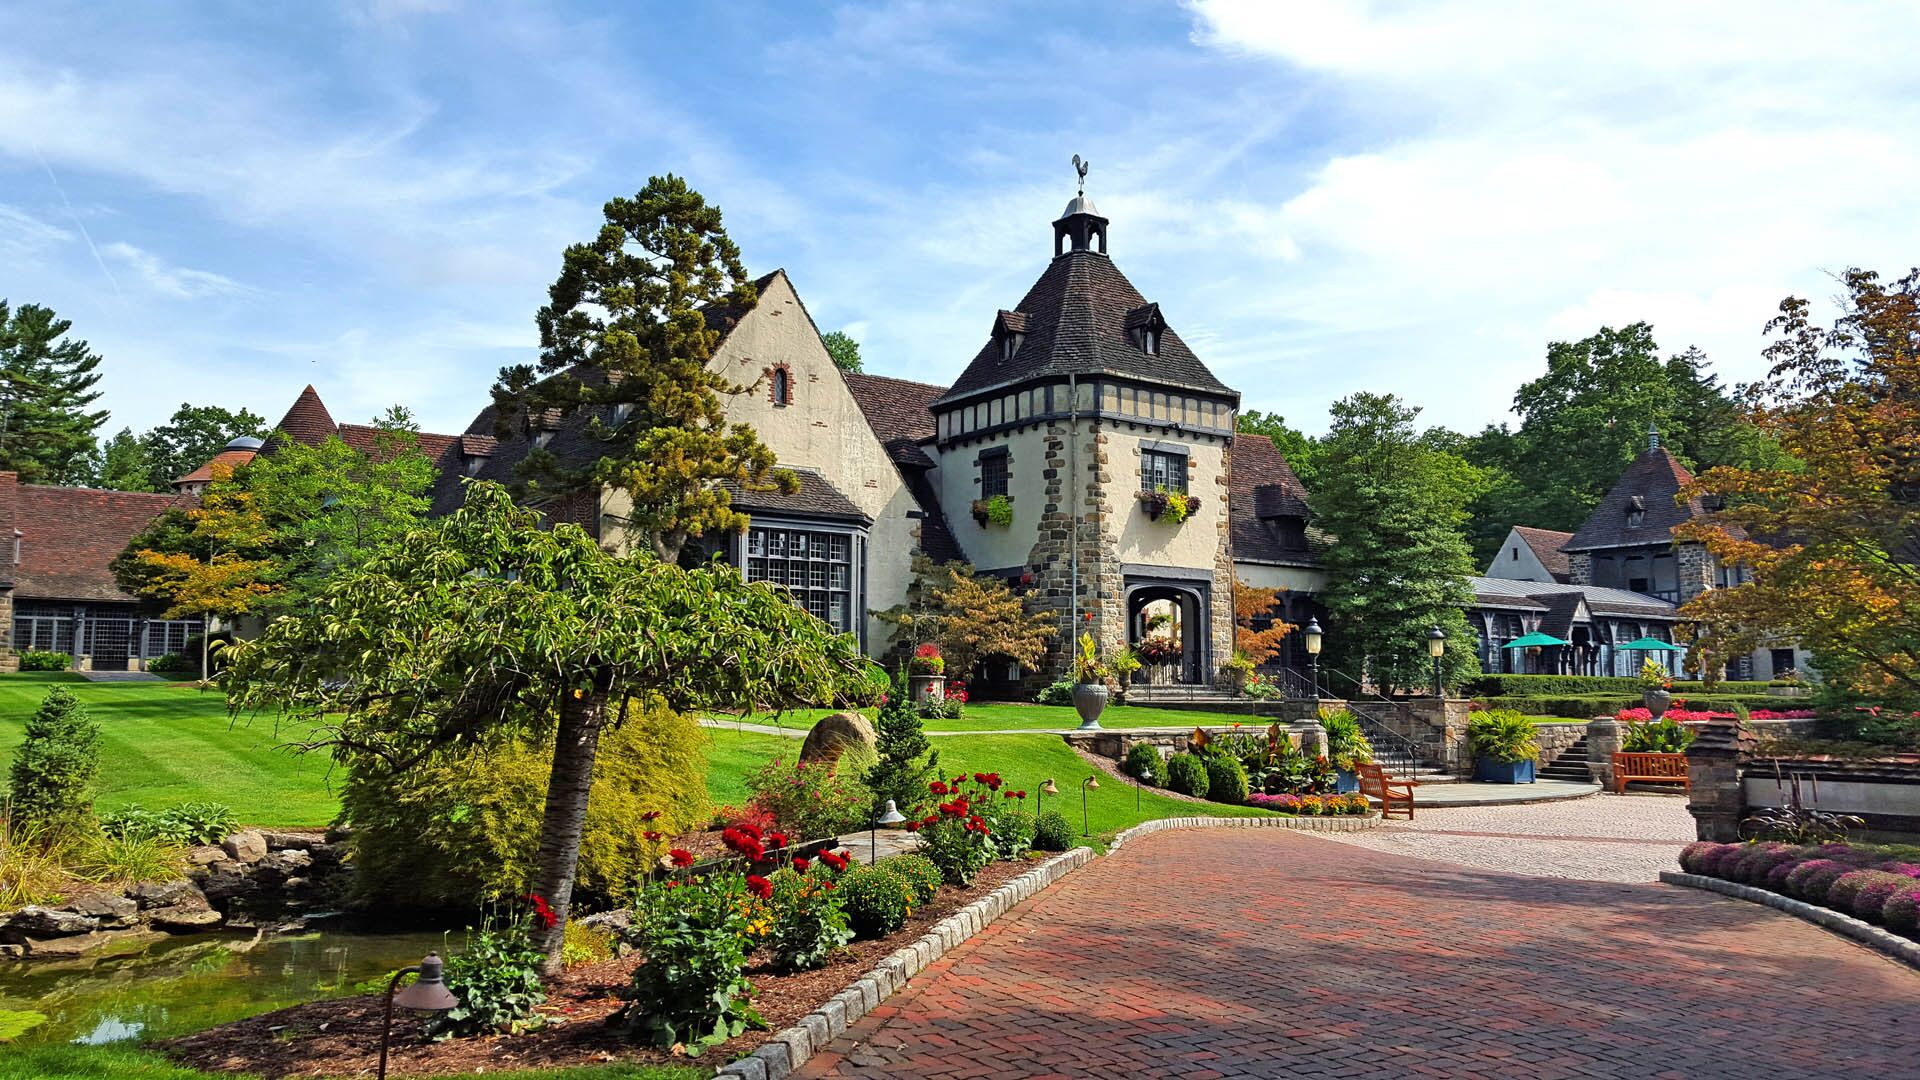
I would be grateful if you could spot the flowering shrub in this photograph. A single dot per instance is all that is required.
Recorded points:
(1694, 716)
(691, 990)
(955, 836)
(808, 923)
(918, 872)
(1811, 880)
(1902, 911)
(877, 900)
(495, 979)
(927, 660)
(1863, 881)
(1871, 896)
(1313, 805)
(1286, 803)
(951, 707)
(809, 800)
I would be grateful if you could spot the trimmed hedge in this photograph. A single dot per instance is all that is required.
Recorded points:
(1585, 685)
(1585, 707)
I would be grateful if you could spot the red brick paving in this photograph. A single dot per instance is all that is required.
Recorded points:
(1254, 953)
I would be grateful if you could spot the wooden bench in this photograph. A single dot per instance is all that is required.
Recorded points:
(1396, 796)
(1650, 769)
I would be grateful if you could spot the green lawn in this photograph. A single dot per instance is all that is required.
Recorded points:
(1023, 762)
(1008, 716)
(163, 744)
(117, 1063)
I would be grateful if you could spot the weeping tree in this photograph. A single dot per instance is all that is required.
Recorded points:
(485, 623)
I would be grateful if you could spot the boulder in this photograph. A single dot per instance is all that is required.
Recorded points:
(184, 918)
(278, 866)
(154, 894)
(833, 734)
(292, 841)
(34, 921)
(113, 912)
(247, 846)
(206, 854)
(225, 880)
(616, 921)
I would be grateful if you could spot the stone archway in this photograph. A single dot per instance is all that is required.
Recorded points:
(1176, 611)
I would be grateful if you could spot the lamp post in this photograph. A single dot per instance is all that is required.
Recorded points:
(893, 816)
(1312, 635)
(1437, 648)
(1089, 784)
(1145, 777)
(1040, 801)
(428, 993)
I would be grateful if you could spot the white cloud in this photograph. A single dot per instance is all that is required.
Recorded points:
(23, 235)
(178, 282)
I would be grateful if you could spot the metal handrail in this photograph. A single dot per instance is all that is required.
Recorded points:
(1377, 732)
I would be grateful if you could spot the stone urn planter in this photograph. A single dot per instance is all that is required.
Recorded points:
(1089, 700)
(1657, 702)
(927, 687)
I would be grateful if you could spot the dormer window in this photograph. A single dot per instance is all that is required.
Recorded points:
(781, 393)
(1010, 344)
(473, 465)
(542, 437)
(1009, 330)
(621, 410)
(1636, 512)
(1145, 328)
(1149, 341)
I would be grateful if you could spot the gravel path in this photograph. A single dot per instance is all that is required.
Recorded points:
(1598, 838)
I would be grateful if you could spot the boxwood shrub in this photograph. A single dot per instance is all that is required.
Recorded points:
(1143, 759)
(1187, 775)
(1226, 778)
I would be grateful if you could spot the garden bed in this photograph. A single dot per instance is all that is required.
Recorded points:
(342, 1037)
(1875, 884)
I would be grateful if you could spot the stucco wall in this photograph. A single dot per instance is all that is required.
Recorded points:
(991, 547)
(1193, 543)
(1295, 579)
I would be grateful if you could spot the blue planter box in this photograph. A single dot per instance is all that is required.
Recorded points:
(1503, 772)
(1345, 783)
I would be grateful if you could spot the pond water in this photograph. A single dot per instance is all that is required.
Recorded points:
(185, 984)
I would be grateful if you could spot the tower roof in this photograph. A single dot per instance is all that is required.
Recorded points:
(1640, 508)
(308, 421)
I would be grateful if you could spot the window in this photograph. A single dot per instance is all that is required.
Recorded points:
(1515, 552)
(1636, 512)
(782, 386)
(1160, 469)
(993, 474)
(1781, 661)
(816, 567)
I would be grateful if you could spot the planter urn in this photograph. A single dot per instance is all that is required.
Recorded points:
(927, 687)
(1089, 700)
(1657, 702)
(1503, 772)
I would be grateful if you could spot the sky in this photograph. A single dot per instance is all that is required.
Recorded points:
(231, 201)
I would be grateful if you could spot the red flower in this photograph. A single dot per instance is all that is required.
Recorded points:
(760, 886)
(651, 835)
(913, 826)
(776, 840)
(651, 815)
(681, 857)
(927, 649)
(938, 787)
(542, 910)
(800, 864)
(979, 778)
(743, 842)
(749, 828)
(834, 859)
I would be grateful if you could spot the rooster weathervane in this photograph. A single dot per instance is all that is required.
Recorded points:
(1081, 168)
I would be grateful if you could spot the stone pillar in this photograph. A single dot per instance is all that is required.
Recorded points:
(1718, 799)
(1311, 737)
(83, 662)
(1603, 741)
(9, 657)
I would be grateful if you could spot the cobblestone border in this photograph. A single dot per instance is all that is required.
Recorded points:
(788, 1050)
(1343, 823)
(1902, 949)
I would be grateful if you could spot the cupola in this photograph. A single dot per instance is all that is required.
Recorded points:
(1080, 224)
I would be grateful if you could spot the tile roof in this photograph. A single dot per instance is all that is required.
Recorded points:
(896, 410)
(1264, 489)
(70, 536)
(1540, 595)
(308, 421)
(1650, 483)
(817, 497)
(1076, 322)
(1547, 545)
(229, 459)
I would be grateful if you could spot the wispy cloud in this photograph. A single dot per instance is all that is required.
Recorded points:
(23, 236)
(178, 282)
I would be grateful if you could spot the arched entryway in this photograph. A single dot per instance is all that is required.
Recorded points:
(1173, 614)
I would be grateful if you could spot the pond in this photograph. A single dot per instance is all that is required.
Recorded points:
(185, 984)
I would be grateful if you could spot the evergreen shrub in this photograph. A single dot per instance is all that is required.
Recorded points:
(1143, 760)
(877, 900)
(1226, 779)
(1187, 775)
(1051, 832)
(51, 784)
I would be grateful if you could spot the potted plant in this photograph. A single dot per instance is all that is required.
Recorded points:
(993, 510)
(1656, 688)
(1505, 750)
(1172, 507)
(1157, 651)
(1347, 748)
(1238, 670)
(926, 672)
(1125, 664)
(1089, 683)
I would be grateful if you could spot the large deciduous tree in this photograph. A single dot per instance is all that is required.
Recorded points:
(1397, 564)
(1832, 535)
(46, 384)
(970, 617)
(844, 350)
(486, 622)
(625, 341)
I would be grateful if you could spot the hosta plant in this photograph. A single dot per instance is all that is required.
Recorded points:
(495, 979)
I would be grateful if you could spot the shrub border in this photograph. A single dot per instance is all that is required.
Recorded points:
(1873, 937)
(787, 1050)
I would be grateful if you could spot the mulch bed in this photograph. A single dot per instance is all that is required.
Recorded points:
(342, 1037)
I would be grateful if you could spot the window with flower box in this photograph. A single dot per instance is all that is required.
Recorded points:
(1160, 469)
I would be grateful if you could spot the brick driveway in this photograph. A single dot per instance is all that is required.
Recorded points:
(1256, 953)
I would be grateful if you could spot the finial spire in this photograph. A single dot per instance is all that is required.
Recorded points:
(1080, 167)
(1653, 435)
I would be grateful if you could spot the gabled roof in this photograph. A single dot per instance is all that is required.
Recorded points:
(1649, 484)
(1509, 593)
(1548, 546)
(1076, 323)
(69, 537)
(896, 410)
(1263, 490)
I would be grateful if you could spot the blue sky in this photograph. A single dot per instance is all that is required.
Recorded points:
(231, 201)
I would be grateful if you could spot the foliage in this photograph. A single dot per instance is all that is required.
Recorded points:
(39, 660)
(1175, 506)
(1051, 832)
(1188, 775)
(173, 664)
(1055, 693)
(465, 822)
(1087, 665)
(919, 872)
(994, 510)
(691, 990)
(625, 351)
(1653, 676)
(1347, 745)
(956, 835)
(103, 858)
(1226, 778)
(186, 823)
(32, 865)
(906, 760)
(808, 924)
(1397, 563)
(810, 800)
(927, 660)
(217, 557)
(484, 622)
(50, 785)
(843, 349)
(1662, 736)
(1798, 824)
(1829, 535)
(877, 900)
(942, 708)
(190, 438)
(495, 980)
(1300, 451)
(1144, 762)
(1329, 805)
(970, 617)
(586, 944)
(17, 1022)
(1502, 736)
(46, 384)
(1252, 602)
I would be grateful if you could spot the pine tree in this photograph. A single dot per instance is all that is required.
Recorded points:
(53, 771)
(123, 465)
(900, 775)
(46, 384)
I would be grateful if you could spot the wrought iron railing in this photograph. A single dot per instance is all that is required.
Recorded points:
(1391, 748)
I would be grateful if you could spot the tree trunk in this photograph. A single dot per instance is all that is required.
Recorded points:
(581, 719)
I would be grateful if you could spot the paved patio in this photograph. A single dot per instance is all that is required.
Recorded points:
(1215, 953)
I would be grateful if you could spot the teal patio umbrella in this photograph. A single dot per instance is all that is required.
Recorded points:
(1647, 644)
(1530, 640)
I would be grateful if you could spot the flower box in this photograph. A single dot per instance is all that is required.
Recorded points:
(1503, 772)
(1175, 506)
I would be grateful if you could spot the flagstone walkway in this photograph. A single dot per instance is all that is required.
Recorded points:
(1216, 953)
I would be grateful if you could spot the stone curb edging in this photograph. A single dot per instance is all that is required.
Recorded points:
(1342, 823)
(1873, 937)
(787, 1050)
